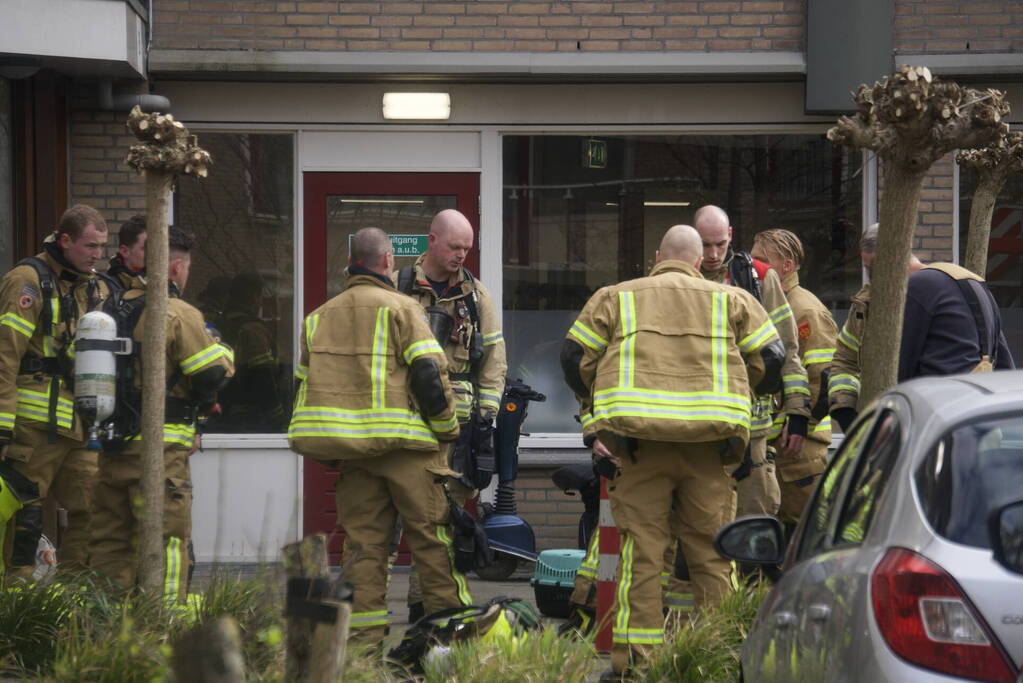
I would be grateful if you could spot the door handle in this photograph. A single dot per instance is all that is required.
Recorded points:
(818, 612)
(784, 619)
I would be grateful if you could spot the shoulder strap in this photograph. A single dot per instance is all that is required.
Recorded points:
(406, 276)
(744, 274)
(472, 300)
(983, 315)
(46, 286)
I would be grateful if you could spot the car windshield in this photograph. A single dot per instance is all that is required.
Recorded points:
(974, 470)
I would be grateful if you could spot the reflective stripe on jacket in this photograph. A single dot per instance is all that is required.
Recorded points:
(357, 352)
(671, 357)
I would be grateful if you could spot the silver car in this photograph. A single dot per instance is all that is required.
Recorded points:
(908, 562)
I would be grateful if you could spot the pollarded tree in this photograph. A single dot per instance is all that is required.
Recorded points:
(994, 164)
(910, 120)
(166, 151)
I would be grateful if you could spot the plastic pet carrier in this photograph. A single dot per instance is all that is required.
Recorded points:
(553, 580)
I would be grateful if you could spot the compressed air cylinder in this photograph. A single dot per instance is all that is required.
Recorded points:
(95, 371)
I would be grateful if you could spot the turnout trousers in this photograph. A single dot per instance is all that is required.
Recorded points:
(758, 494)
(371, 494)
(63, 469)
(662, 485)
(119, 509)
(798, 477)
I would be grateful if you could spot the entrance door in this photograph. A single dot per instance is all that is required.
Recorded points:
(336, 206)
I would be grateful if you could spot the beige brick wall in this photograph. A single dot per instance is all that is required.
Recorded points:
(480, 25)
(958, 26)
(99, 141)
(553, 515)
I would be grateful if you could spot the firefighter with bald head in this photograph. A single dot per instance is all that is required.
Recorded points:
(375, 401)
(757, 484)
(41, 439)
(464, 314)
(668, 395)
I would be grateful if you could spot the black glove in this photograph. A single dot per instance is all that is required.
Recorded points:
(605, 468)
(745, 468)
(844, 417)
(797, 425)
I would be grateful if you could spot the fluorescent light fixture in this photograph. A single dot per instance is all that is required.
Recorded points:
(381, 201)
(610, 203)
(665, 203)
(417, 105)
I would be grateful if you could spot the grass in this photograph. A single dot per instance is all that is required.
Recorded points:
(76, 630)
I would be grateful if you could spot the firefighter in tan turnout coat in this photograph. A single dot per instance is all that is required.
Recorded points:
(197, 367)
(41, 439)
(375, 400)
(800, 469)
(668, 394)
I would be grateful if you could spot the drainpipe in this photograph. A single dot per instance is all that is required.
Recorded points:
(125, 101)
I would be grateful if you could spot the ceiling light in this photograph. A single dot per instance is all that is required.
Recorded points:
(417, 105)
(665, 203)
(381, 201)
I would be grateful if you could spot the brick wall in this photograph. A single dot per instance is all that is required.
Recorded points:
(99, 176)
(553, 515)
(480, 25)
(958, 25)
(932, 240)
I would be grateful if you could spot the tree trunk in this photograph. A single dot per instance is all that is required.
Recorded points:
(154, 382)
(879, 355)
(210, 654)
(981, 210)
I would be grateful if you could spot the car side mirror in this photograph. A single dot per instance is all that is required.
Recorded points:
(1006, 528)
(756, 539)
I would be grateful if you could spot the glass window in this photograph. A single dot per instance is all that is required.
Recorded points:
(971, 472)
(872, 473)
(581, 212)
(1005, 251)
(242, 276)
(824, 505)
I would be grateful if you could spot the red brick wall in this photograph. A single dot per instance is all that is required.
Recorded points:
(480, 25)
(932, 240)
(958, 25)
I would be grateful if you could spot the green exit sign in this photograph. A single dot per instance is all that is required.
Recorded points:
(596, 154)
(403, 245)
(409, 245)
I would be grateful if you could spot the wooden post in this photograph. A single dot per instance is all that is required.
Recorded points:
(318, 611)
(210, 654)
(167, 150)
(911, 120)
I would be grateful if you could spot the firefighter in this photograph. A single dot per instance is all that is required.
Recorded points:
(375, 401)
(474, 346)
(951, 325)
(757, 485)
(668, 395)
(800, 469)
(130, 262)
(197, 367)
(41, 438)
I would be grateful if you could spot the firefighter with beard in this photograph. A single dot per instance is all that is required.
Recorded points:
(474, 346)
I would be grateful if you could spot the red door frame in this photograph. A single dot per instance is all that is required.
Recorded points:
(318, 509)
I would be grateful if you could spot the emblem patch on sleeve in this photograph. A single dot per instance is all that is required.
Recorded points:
(804, 331)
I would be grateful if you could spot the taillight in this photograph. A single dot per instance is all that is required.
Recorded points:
(927, 620)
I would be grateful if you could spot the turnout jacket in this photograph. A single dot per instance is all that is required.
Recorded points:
(493, 366)
(796, 389)
(373, 378)
(816, 331)
(644, 370)
(41, 332)
(844, 383)
(197, 367)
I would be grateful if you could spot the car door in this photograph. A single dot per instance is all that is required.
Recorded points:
(776, 649)
(833, 595)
